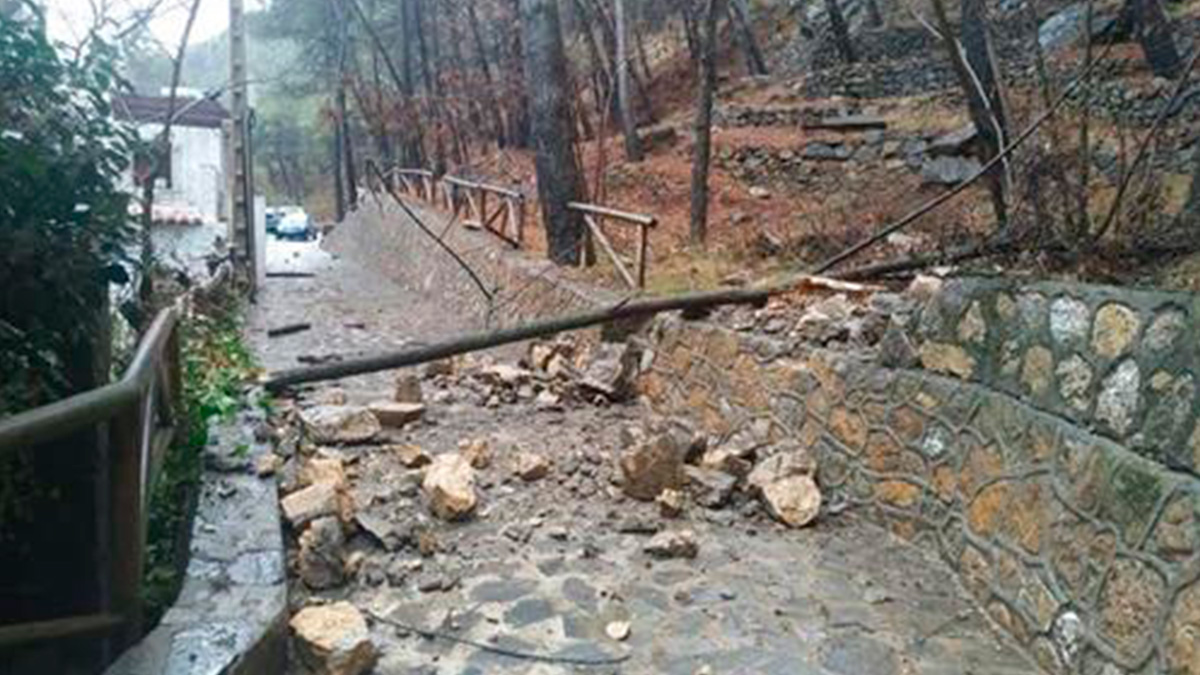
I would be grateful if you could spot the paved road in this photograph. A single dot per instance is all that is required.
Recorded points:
(548, 565)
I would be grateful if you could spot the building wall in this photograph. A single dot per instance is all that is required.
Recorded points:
(197, 169)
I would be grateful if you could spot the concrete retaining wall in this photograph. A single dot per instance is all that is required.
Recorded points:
(1058, 520)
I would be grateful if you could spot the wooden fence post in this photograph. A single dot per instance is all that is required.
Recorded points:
(127, 538)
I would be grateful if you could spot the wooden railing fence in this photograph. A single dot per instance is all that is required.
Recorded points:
(135, 420)
(594, 217)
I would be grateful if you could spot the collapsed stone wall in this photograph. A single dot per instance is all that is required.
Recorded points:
(1072, 536)
(523, 288)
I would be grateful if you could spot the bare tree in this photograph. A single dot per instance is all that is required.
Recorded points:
(977, 76)
(739, 14)
(160, 153)
(633, 145)
(702, 127)
(559, 178)
(841, 31)
(1154, 33)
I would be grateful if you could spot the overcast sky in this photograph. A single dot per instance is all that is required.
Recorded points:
(71, 19)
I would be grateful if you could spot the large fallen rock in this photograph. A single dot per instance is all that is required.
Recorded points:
(339, 424)
(333, 639)
(393, 414)
(652, 465)
(612, 370)
(672, 544)
(794, 501)
(320, 558)
(323, 470)
(449, 485)
(315, 501)
(784, 482)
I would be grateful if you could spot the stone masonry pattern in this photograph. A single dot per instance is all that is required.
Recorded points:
(1084, 549)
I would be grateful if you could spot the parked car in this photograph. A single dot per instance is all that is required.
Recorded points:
(273, 217)
(296, 226)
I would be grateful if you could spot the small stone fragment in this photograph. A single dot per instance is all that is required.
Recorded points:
(314, 501)
(711, 489)
(320, 558)
(396, 415)
(335, 396)
(548, 400)
(672, 544)
(477, 451)
(408, 389)
(333, 639)
(339, 424)
(670, 503)
(531, 466)
(617, 630)
(449, 485)
(266, 465)
(411, 456)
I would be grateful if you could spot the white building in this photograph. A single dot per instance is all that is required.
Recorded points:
(196, 179)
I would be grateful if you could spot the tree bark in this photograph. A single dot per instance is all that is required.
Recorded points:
(874, 16)
(481, 56)
(841, 31)
(689, 29)
(1156, 37)
(558, 176)
(977, 76)
(633, 144)
(740, 15)
(702, 128)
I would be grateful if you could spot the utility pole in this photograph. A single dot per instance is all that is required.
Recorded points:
(241, 212)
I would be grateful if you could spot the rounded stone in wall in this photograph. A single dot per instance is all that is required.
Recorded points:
(1166, 327)
(1069, 321)
(1115, 330)
(1119, 397)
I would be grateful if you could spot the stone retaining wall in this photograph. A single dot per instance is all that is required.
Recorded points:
(525, 288)
(1086, 551)
(1116, 361)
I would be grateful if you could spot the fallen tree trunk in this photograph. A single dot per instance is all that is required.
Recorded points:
(495, 338)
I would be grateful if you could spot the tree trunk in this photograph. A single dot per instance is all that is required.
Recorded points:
(520, 123)
(841, 31)
(339, 154)
(558, 177)
(689, 29)
(1190, 213)
(348, 153)
(874, 16)
(701, 151)
(739, 13)
(1157, 38)
(633, 145)
(977, 76)
(481, 56)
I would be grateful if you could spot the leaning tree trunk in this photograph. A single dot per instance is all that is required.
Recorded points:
(841, 30)
(558, 177)
(633, 144)
(1156, 37)
(701, 150)
(739, 12)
